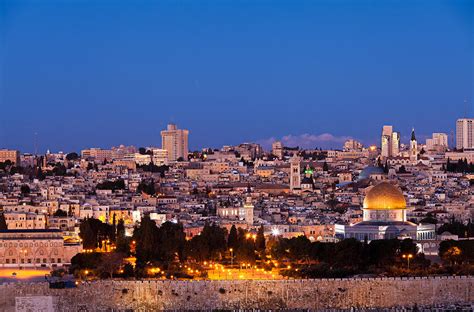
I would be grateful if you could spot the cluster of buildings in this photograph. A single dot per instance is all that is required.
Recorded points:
(391, 191)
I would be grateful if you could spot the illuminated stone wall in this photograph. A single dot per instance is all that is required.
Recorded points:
(303, 294)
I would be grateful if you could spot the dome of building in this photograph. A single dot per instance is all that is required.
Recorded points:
(367, 171)
(384, 196)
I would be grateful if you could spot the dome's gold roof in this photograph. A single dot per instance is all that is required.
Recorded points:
(384, 196)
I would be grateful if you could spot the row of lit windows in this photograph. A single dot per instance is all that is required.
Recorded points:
(31, 244)
(30, 260)
(23, 219)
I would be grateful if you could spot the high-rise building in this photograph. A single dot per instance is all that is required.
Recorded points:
(352, 145)
(386, 141)
(97, 154)
(438, 141)
(277, 149)
(464, 133)
(395, 143)
(390, 143)
(11, 155)
(175, 141)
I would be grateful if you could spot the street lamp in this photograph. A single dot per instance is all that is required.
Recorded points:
(231, 257)
(408, 257)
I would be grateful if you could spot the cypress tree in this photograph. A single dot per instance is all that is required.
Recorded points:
(260, 241)
(232, 240)
(3, 222)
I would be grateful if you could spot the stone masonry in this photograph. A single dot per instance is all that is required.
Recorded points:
(320, 294)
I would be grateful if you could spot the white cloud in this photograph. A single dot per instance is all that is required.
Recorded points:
(307, 140)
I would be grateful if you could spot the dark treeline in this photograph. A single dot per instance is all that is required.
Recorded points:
(345, 258)
(147, 187)
(154, 168)
(458, 228)
(167, 243)
(118, 184)
(167, 247)
(461, 166)
(93, 232)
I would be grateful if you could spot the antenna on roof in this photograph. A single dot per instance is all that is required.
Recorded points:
(452, 138)
(35, 142)
(466, 108)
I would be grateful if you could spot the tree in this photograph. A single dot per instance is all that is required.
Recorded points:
(429, 219)
(113, 230)
(93, 232)
(325, 167)
(83, 261)
(146, 238)
(209, 245)
(260, 241)
(452, 254)
(118, 184)
(457, 228)
(128, 270)
(407, 246)
(39, 174)
(147, 188)
(3, 223)
(171, 240)
(110, 263)
(232, 240)
(122, 243)
(89, 238)
(25, 190)
(457, 252)
(245, 248)
(72, 156)
(60, 213)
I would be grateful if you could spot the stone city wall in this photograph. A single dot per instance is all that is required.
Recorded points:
(317, 294)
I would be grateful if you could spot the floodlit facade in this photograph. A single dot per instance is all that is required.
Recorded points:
(438, 141)
(35, 248)
(464, 133)
(11, 155)
(385, 217)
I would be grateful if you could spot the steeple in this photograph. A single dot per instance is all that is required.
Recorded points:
(413, 147)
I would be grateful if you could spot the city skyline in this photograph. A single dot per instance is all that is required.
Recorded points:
(303, 141)
(316, 72)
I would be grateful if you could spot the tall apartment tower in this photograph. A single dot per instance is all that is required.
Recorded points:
(390, 143)
(437, 141)
(11, 155)
(295, 173)
(386, 144)
(175, 142)
(464, 133)
(395, 143)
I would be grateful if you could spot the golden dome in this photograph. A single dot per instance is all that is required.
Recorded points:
(384, 196)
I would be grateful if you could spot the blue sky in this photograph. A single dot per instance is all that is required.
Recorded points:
(102, 73)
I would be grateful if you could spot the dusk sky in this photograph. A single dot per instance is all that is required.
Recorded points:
(102, 73)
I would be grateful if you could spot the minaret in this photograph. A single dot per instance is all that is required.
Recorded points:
(413, 147)
(295, 173)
